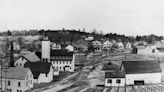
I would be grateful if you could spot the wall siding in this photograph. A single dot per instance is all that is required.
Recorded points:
(114, 82)
(149, 78)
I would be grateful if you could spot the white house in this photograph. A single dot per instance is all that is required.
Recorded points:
(42, 71)
(141, 72)
(63, 60)
(107, 44)
(146, 50)
(119, 45)
(114, 79)
(97, 46)
(89, 38)
(16, 46)
(70, 48)
(31, 57)
(56, 46)
(18, 79)
(128, 46)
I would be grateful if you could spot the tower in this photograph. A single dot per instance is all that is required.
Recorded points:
(45, 50)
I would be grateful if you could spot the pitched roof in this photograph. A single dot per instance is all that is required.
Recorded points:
(39, 54)
(60, 53)
(32, 57)
(116, 74)
(38, 67)
(136, 67)
(15, 73)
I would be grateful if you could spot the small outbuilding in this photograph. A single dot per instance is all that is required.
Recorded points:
(115, 78)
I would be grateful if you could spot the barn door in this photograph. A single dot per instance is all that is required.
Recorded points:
(139, 82)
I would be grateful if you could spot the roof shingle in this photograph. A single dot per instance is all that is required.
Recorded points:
(136, 67)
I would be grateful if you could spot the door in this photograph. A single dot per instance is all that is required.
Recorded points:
(139, 82)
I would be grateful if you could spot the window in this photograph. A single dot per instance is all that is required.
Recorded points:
(31, 75)
(153, 50)
(27, 77)
(109, 81)
(19, 90)
(26, 83)
(8, 83)
(8, 90)
(118, 81)
(19, 84)
(31, 81)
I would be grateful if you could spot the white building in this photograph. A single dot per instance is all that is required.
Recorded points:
(45, 50)
(114, 79)
(128, 46)
(119, 45)
(147, 50)
(16, 46)
(56, 46)
(107, 44)
(63, 60)
(89, 38)
(18, 79)
(42, 71)
(141, 72)
(97, 46)
(70, 48)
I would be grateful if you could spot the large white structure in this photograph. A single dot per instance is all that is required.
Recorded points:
(46, 50)
(141, 72)
(63, 60)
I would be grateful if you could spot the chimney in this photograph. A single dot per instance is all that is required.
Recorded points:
(11, 55)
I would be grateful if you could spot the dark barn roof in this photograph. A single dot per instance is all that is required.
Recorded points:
(38, 67)
(137, 67)
(60, 53)
(39, 54)
(114, 75)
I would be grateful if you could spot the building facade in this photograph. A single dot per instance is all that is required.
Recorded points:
(63, 60)
(142, 72)
(18, 79)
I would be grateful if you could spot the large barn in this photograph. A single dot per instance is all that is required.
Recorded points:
(141, 72)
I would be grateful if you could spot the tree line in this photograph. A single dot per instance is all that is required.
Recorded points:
(72, 35)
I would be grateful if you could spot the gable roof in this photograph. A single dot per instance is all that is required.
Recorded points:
(39, 54)
(38, 67)
(32, 57)
(137, 67)
(116, 74)
(60, 53)
(15, 73)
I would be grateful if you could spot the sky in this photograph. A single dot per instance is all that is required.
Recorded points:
(129, 17)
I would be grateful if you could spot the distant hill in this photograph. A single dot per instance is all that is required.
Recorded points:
(69, 36)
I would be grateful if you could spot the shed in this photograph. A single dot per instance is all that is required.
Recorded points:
(115, 78)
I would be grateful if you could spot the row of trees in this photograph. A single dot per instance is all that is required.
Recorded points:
(73, 35)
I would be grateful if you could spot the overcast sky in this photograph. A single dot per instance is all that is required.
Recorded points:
(129, 17)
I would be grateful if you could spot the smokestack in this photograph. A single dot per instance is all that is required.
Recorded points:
(11, 55)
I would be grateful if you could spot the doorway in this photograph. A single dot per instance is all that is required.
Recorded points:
(139, 82)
